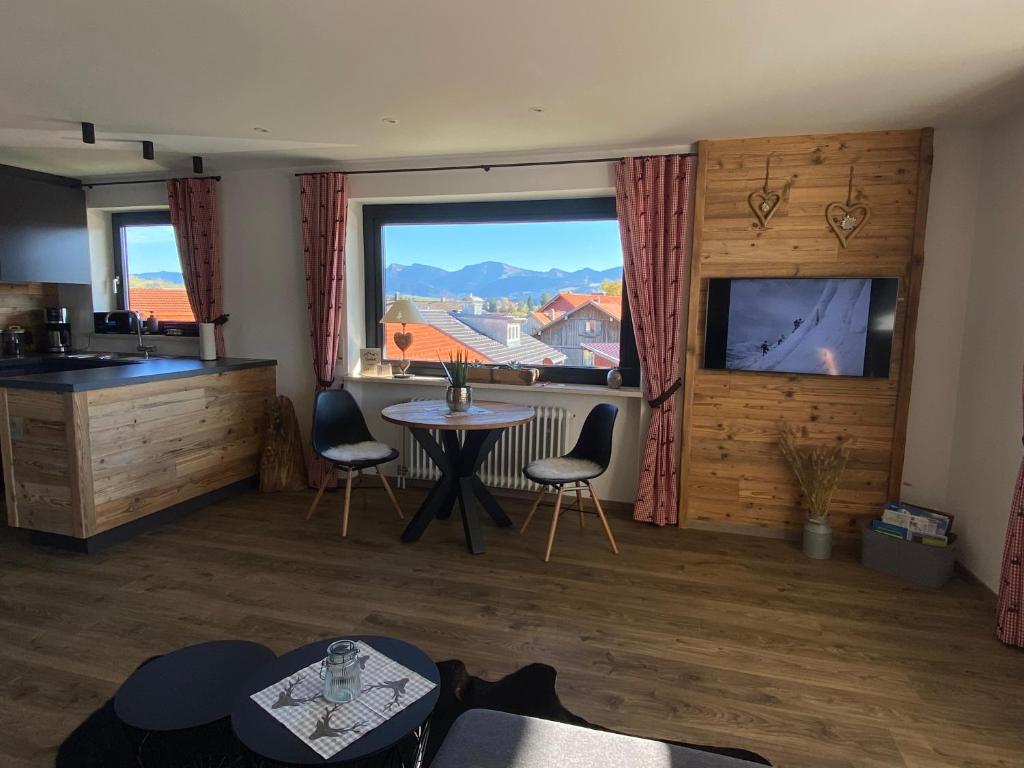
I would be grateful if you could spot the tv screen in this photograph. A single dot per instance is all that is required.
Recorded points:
(830, 326)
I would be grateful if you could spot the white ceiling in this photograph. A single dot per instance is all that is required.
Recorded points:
(197, 76)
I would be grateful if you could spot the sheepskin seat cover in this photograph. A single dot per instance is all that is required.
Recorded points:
(365, 451)
(563, 469)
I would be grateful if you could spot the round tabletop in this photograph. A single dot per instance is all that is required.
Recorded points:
(189, 687)
(434, 414)
(268, 738)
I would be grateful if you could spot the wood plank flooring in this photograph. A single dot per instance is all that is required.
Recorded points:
(691, 635)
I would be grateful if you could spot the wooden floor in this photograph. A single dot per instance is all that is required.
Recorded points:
(689, 635)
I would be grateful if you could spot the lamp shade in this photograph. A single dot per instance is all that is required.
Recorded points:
(403, 311)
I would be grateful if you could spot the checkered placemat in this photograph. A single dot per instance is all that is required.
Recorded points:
(297, 701)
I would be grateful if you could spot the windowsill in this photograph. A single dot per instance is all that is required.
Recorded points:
(553, 388)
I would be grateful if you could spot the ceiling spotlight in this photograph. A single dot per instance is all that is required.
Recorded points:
(536, 108)
(389, 120)
(258, 129)
(197, 164)
(147, 150)
(88, 133)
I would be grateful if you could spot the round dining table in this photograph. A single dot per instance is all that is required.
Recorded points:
(459, 462)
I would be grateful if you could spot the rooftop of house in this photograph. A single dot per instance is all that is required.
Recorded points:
(164, 303)
(447, 334)
(545, 317)
(566, 301)
(609, 350)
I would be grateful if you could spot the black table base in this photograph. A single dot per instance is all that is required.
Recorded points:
(459, 464)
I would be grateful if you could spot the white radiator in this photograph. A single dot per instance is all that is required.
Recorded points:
(540, 438)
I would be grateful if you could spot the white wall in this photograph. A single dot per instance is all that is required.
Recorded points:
(949, 243)
(264, 280)
(987, 438)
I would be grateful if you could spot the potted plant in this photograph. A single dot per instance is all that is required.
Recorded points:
(818, 469)
(459, 395)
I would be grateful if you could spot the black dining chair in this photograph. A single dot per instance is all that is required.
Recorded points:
(340, 436)
(574, 471)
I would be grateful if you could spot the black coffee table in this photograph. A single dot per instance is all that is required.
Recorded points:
(272, 743)
(177, 705)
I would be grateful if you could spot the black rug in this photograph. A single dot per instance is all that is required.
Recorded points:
(102, 742)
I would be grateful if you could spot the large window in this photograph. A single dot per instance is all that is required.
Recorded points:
(536, 283)
(149, 277)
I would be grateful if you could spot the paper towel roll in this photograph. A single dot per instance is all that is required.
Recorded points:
(207, 342)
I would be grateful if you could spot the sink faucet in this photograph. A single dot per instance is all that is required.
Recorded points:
(144, 348)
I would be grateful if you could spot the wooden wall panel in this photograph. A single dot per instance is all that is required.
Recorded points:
(36, 461)
(732, 472)
(158, 444)
(23, 303)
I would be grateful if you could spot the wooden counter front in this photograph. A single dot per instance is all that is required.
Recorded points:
(81, 463)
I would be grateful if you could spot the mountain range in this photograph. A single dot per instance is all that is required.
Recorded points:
(492, 280)
(170, 277)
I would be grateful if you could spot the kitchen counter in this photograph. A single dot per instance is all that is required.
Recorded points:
(113, 371)
(95, 455)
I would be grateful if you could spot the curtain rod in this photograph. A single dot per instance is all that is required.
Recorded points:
(142, 181)
(481, 167)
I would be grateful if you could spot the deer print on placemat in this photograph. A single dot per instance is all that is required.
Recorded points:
(397, 688)
(285, 698)
(325, 730)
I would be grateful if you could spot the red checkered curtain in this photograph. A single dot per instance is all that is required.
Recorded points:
(654, 200)
(324, 202)
(1009, 613)
(193, 204)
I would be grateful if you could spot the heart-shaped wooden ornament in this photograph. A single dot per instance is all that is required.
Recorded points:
(764, 205)
(847, 220)
(403, 340)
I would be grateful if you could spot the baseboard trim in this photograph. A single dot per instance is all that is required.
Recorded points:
(968, 575)
(757, 531)
(102, 541)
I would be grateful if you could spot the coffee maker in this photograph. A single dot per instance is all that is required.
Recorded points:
(58, 329)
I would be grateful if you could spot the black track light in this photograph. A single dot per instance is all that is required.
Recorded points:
(197, 164)
(147, 150)
(88, 133)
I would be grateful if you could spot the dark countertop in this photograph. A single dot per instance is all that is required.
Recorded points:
(124, 372)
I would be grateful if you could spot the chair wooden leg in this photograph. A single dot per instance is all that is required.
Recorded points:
(391, 494)
(604, 520)
(323, 487)
(554, 524)
(579, 505)
(536, 503)
(348, 497)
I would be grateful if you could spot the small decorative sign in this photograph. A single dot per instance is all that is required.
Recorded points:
(370, 359)
(297, 701)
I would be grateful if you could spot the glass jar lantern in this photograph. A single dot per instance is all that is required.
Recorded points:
(340, 672)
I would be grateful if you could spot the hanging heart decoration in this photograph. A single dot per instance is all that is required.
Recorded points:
(764, 202)
(764, 205)
(847, 219)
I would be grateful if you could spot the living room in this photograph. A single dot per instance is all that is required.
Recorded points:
(312, 335)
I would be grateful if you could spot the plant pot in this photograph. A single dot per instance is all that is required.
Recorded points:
(459, 399)
(818, 539)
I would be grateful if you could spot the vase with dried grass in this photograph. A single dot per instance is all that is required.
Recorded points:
(818, 469)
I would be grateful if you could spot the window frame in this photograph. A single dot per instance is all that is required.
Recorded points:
(377, 216)
(118, 223)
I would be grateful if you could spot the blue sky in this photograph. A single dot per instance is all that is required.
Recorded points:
(151, 249)
(568, 245)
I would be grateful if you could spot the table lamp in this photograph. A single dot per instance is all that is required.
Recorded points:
(403, 311)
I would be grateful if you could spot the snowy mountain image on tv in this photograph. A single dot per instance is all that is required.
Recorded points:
(799, 326)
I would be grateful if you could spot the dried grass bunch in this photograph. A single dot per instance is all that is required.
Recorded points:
(818, 469)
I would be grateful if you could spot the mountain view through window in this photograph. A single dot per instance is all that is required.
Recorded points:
(155, 282)
(535, 293)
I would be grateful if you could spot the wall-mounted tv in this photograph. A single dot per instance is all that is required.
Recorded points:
(830, 326)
